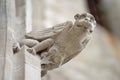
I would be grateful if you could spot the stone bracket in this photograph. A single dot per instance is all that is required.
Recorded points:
(26, 66)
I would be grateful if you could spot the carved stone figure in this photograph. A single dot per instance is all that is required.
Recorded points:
(61, 43)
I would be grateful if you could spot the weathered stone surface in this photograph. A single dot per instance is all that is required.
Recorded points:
(9, 33)
(38, 14)
(96, 62)
(26, 66)
(7, 16)
(59, 44)
(3, 33)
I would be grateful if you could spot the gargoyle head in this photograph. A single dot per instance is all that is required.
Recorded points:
(86, 21)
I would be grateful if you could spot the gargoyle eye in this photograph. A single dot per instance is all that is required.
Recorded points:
(82, 16)
(86, 19)
(79, 25)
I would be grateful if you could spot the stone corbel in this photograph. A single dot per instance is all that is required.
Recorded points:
(26, 65)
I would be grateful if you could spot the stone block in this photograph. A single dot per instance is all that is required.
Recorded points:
(26, 66)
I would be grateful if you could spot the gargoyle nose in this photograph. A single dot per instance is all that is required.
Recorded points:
(88, 19)
(91, 31)
(85, 27)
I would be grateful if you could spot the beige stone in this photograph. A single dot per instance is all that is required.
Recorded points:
(26, 66)
(59, 44)
(7, 18)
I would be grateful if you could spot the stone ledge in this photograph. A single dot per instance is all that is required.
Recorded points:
(26, 66)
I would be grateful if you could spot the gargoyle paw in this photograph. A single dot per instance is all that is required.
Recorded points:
(31, 50)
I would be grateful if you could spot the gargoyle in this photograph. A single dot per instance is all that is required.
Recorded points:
(61, 43)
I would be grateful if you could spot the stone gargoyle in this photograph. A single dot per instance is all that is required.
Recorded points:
(61, 43)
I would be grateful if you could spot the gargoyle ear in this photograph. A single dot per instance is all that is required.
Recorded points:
(77, 16)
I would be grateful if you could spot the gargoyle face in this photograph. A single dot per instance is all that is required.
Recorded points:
(86, 21)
